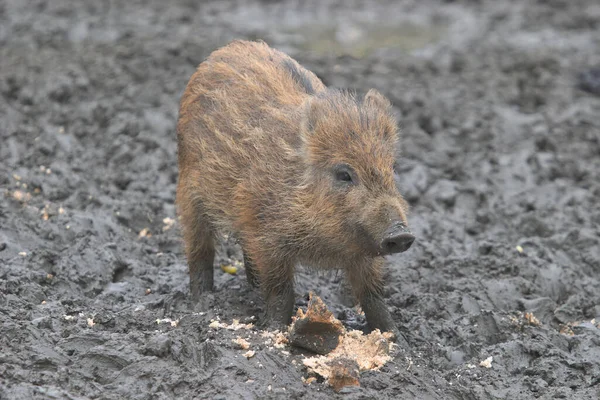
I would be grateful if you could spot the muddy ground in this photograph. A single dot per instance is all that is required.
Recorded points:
(500, 110)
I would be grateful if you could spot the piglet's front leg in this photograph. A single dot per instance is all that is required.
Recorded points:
(367, 285)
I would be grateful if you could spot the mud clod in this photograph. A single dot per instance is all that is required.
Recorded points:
(317, 330)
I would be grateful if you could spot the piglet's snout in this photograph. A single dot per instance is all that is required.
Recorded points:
(396, 240)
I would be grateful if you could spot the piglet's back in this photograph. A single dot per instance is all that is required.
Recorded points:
(244, 86)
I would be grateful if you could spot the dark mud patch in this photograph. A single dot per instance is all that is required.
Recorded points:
(501, 149)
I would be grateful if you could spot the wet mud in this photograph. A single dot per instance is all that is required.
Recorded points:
(499, 297)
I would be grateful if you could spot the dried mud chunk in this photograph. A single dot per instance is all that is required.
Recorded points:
(343, 372)
(317, 330)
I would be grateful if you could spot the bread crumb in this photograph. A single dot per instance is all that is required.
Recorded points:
(173, 323)
(249, 354)
(566, 330)
(532, 320)
(21, 196)
(235, 325)
(169, 222)
(241, 343)
(309, 380)
(145, 233)
(487, 363)
(45, 212)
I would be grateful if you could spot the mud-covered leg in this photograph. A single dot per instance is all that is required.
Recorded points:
(276, 279)
(367, 285)
(251, 274)
(280, 301)
(199, 245)
(201, 255)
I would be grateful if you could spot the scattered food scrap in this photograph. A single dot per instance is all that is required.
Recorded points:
(173, 323)
(309, 380)
(249, 354)
(235, 325)
(241, 343)
(521, 320)
(145, 233)
(168, 223)
(531, 319)
(280, 340)
(343, 372)
(566, 330)
(277, 339)
(45, 213)
(21, 196)
(487, 363)
(348, 353)
(229, 269)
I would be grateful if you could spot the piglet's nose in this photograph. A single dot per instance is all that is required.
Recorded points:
(397, 242)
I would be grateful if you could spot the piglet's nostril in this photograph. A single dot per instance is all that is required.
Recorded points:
(397, 243)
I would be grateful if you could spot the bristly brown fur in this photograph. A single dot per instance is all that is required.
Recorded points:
(258, 136)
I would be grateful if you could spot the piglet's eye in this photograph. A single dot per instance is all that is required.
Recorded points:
(343, 176)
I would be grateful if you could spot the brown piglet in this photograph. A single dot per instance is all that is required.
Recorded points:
(299, 173)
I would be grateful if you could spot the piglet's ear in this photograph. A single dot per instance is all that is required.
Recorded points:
(311, 115)
(377, 99)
